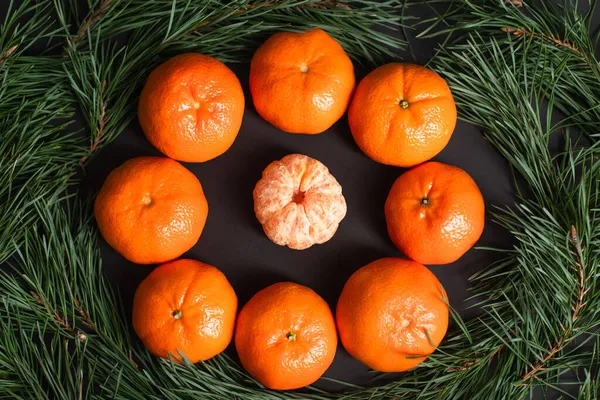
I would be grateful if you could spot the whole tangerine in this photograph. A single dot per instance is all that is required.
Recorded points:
(392, 314)
(285, 336)
(298, 202)
(191, 107)
(151, 210)
(435, 213)
(185, 306)
(301, 82)
(402, 114)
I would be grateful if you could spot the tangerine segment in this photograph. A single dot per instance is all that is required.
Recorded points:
(151, 210)
(435, 213)
(285, 336)
(301, 82)
(392, 314)
(402, 114)
(185, 306)
(191, 107)
(298, 202)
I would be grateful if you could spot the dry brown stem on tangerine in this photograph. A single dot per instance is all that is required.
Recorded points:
(566, 335)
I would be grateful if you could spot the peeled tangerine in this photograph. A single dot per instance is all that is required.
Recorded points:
(298, 202)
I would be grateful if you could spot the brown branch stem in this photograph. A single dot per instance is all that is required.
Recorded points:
(98, 138)
(84, 316)
(90, 21)
(550, 38)
(566, 336)
(7, 53)
(312, 4)
(465, 365)
(57, 317)
(327, 4)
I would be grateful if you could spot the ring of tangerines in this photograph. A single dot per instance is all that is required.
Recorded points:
(393, 312)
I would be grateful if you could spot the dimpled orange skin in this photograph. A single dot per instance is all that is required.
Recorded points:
(298, 202)
(191, 108)
(151, 210)
(385, 312)
(285, 336)
(435, 213)
(391, 134)
(186, 306)
(301, 82)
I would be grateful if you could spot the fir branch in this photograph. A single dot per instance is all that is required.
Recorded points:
(62, 322)
(328, 4)
(98, 133)
(85, 319)
(589, 387)
(552, 39)
(35, 109)
(90, 21)
(545, 27)
(518, 309)
(566, 336)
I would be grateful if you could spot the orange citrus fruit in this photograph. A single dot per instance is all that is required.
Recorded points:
(402, 114)
(185, 306)
(285, 336)
(301, 82)
(298, 202)
(435, 213)
(191, 107)
(151, 210)
(392, 314)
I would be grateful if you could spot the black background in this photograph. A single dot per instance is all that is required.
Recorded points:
(233, 240)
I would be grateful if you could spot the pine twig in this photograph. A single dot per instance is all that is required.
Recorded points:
(313, 4)
(516, 3)
(7, 53)
(98, 138)
(328, 3)
(84, 316)
(90, 21)
(210, 21)
(57, 317)
(465, 365)
(550, 38)
(565, 337)
(581, 271)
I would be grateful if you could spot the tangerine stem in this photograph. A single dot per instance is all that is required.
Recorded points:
(177, 314)
(424, 201)
(291, 336)
(403, 104)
